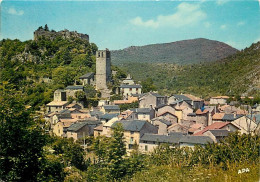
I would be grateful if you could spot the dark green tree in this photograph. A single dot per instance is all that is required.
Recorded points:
(21, 141)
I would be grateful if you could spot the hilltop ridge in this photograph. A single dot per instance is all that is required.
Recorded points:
(179, 52)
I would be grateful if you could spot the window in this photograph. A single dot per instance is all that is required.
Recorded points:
(132, 132)
(131, 139)
(146, 148)
(130, 89)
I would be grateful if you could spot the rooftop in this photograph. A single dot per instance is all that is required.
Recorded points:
(161, 138)
(130, 86)
(131, 125)
(196, 139)
(75, 87)
(111, 107)
(108, 116)
(219, 132)
(231, 117)
(216, 125)
(77, 126)
(57, 103)
(87, 75)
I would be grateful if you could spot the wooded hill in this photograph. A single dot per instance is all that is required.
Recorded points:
(234, 75)
(28, 66)
(180, 52)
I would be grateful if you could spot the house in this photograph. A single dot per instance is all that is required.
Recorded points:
(163, 108)
(244, 123)
(148, 142)
(106, 130)
(134, 130)
(195, 128)
(217, 134)
(143, 113)
(219, 125)
(88, 79)
(256, 108)
(98, 130)
(162, 124)
(128, 115)
(218, 100)
(81, 129)
(60, 128)
(191, 141)
(74, 105)
(151, 99)
(217, 117)
(110, 109)
(56, 106)
(178, 127)
(169, 116)
(182, 112)
(128, 90)
(80, 116)
(106, 117)
(72, 89)
(195, 102)
(129, 100)
(128, 80)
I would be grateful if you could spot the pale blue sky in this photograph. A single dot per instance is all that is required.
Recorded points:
(120, 24)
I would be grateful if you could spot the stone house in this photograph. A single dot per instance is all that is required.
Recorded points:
(74, 105)
(128, 80)
(110, 109)
(182, 112)
(129, 90)
(217, 134)
(218, 100)
(151, 99)
(219, 125)
(106, 129)
(163, 108)
(143, 113)
(88, 79)
(134, 130)
(56, 106)
(60, 128)
(178, 127)
(191, 141)
(128, 115)
(81, 129)
(149, 142)
(162, 125)
(72, 89)
(106, 117)
(195, 102)
(169, 116)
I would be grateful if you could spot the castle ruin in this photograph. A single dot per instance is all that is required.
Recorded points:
(65, 34)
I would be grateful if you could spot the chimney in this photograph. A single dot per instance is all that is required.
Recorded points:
(235, 115)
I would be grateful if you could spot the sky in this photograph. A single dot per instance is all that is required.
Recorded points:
(120, 24)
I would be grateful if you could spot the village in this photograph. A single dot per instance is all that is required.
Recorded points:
(181, 120)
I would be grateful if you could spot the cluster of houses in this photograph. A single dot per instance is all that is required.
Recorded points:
(178, 120)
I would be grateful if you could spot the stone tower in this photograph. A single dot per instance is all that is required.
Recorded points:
(103, 69)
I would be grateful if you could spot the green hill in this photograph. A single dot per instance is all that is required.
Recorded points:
(180, 52)
(235, 75)
(38, 67)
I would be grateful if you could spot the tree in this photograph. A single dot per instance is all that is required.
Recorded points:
(46, 28)
(21, 141)
(147, 85)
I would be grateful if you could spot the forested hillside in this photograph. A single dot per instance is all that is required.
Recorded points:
(236, 74)
(37, 68)
(180, 52)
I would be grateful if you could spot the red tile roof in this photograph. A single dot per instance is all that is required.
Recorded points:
(200, 112)
(216, 125)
